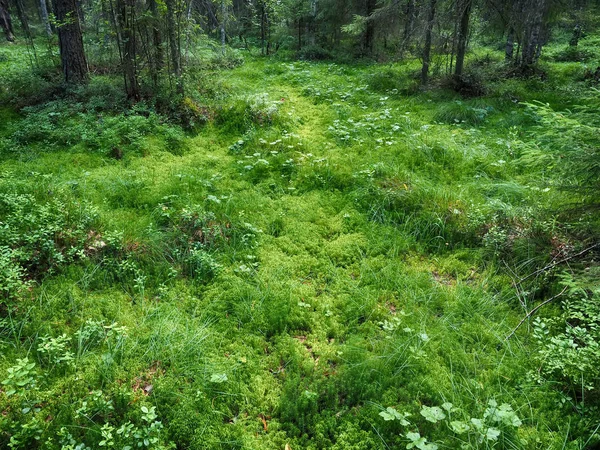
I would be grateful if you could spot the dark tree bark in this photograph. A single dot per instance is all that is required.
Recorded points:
(70, 41)
(369, 36)
(577, 32)
(427, 45)
(174, 45)
(533, 32)
(510, 45)
(463, 34)
(5, 22)
(126, 19)
(157, 59)
(409, 23)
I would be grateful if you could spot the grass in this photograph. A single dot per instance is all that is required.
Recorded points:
(329, 246)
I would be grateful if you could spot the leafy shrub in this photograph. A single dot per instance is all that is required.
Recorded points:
(38, 238)
(569, 342)
(573, 54)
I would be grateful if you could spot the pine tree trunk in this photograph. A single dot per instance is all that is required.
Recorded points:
(510, 45)
(463, 34)
(427, 46)
(70, 41)
(369, 36)
(409, 24)
(223, 21)
(174, 45)
(5, 22)
(44, 16)
(157, 59)
(126, 18)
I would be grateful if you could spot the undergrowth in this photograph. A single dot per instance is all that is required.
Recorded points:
(297, 255)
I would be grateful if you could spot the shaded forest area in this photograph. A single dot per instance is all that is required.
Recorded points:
(299, 224)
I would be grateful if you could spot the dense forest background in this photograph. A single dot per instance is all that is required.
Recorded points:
(299, 224)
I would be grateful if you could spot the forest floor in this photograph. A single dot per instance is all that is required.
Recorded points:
(331, 262)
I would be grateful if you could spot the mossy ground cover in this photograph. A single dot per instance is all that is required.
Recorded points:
(328, 262)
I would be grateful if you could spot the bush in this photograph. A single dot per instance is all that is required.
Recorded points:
(573, 54)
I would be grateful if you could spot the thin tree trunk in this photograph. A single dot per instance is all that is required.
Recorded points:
(427, 46)
(126, 18)
(409, 25)
(369, 36)
(263, 28)
(223, 21)
(510, 45)
(173, 45)
(157, 59)
(5, 22)
(70, 41)
(44, 15)
(463, 34)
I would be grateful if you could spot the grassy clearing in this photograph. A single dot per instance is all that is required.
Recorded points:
(318, 267)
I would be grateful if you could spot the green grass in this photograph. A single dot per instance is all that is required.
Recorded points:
(328, 246)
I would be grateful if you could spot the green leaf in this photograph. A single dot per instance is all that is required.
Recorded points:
(492, 434)
(391, 414)
(459, 427)
(218, 378)
(448, 406)
(433, 414)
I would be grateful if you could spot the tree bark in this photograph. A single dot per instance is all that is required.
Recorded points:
(45, 19)
(510, 45)
(70, 41)
(126, 19)
(463, 34)
(427, 46)
(369, 37)
(532, 35)
(157, 54)
(174, 45)
(409, 24)
(5, 22)
(223, 21)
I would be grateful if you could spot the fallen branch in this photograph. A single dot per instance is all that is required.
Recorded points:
(554, 264)
(533, 311)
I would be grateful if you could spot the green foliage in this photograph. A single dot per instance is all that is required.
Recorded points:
(569, 342)
(371, 313)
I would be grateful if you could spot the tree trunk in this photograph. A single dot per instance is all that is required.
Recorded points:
(126, 18)
(533, 32)
(223, 21)
(70, 41)
(574, 42)
(44, 16)
(263, 28)
(157, 59)
(5, 22)
(510, 45)
(369, 36)
(427, 46)
(463, 34)
(409, 24)
(174, 45)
